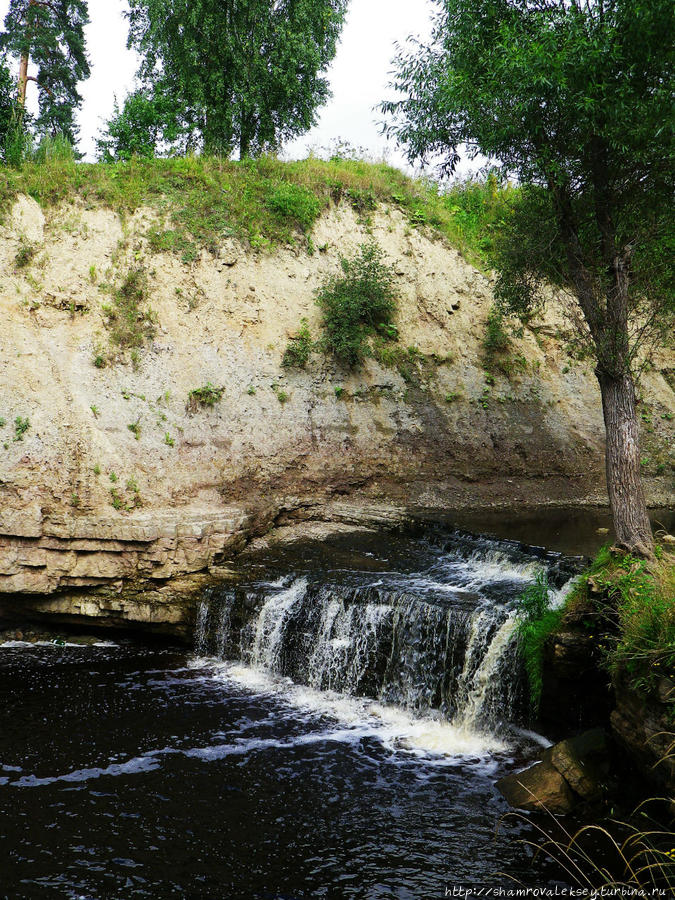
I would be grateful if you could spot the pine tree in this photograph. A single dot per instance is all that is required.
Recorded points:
(49, 34)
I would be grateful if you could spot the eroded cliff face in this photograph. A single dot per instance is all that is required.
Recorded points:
(117, 479)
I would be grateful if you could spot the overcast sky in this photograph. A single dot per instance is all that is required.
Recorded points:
(358, 76)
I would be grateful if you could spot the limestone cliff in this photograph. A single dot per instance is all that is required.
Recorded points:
(109, 472)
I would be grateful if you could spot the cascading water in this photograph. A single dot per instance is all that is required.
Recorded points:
(437, 642)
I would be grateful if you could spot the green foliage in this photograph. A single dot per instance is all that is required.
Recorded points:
(299, 347)
(52, 36)
(96, 469)
(207, 395)
(356, 305)
(168, 440)
(130, 325)
(570, 99)
(204, 199)
(495, 340)
(294, 202)
(54, 148)
(282, 397)
(13, 141)
(536, 621)
(640, 616)
(146, 119)
(135, 429)
(21, 426)
(244, 75)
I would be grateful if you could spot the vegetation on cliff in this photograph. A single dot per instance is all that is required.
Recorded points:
(626, 603)
(265, 201)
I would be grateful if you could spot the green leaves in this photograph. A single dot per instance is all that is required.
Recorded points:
(245, 74)
(357, 304)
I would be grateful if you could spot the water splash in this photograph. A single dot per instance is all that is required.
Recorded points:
(438, 645)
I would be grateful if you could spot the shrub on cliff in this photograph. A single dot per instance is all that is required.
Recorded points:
(357, 304)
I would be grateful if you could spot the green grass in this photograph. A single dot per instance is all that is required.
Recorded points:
(536, 621)
(207, 396)
(638, 615)
(264, 202)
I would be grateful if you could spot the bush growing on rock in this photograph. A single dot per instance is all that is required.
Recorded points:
(357, 304)
(299, 347)
(207, 395)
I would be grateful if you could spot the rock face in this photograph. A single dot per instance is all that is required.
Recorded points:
(643, 724)
(107, 472)
(572, 770)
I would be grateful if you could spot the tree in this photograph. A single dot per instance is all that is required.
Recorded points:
(246, 73)
(49, 33)
(574, 99)
(146, 120)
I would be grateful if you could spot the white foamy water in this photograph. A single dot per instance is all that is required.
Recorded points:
(392, 726)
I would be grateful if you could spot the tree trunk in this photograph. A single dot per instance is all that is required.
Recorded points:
(244, 145)
(23, 80)
(622, 460)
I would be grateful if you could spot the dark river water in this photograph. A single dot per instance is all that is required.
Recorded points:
(311, 746)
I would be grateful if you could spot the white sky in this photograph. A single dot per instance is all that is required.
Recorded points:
(358, 76)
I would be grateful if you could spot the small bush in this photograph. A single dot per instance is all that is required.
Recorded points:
(25, 255)
(130, 325)
(495, 340)
(299, 347)
(135, 429)
(282, 397)
(356, 304)
(21, 426)
(168, 440)
(207, 395)
(295, 202)
(54, 148)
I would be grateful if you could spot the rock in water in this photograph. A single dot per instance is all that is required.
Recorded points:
(539, 788)
(582, 761)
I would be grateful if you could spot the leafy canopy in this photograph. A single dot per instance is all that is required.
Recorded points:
(244, 73)
(574, 99)
(51, 34)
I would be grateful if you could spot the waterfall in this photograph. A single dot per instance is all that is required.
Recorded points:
(438, 643)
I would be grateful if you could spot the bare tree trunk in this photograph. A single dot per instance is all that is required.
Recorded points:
(23, 80)
(622, 460)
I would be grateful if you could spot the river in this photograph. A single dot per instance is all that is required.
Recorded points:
(336, 731)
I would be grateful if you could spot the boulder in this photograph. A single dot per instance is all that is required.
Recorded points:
(541, 787)
(582, 761)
